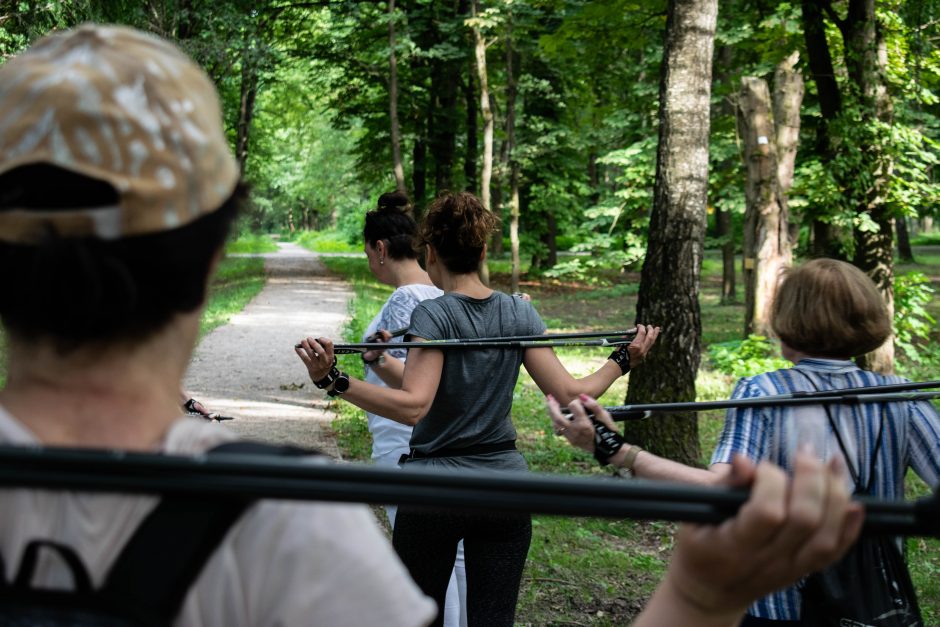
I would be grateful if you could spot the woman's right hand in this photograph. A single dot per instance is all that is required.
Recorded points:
(382, 336)
(642, 342)
(317, 355)
(788, 528)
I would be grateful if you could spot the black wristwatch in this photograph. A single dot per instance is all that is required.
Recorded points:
(340, 385)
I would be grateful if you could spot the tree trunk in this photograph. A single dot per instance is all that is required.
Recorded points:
(471, 152)
(248, 88)
(728, 289)
(511, 91)
(479, 48)
(787, 101)
(824, 235)
(419, 168)
(905, 252)
(766, 237)
(397, 167)
(866, 58)
(670, 280)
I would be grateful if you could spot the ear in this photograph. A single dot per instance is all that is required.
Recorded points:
(380, 247)
(483, 253)
(429, 254)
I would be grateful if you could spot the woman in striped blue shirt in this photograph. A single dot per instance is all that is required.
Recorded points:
(825, 313)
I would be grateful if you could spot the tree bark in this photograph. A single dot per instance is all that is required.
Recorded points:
(723, 226)
(905, 252)
(397, 166)
(511, 92)
(471, 152)
(479, 48)
(248, 88)
(770, 155)
(670, 279)
(766, 237)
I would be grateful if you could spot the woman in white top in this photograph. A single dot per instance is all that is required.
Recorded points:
(389, 244)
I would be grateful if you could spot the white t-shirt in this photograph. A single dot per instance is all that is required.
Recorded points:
(389, 436)
(283, 563)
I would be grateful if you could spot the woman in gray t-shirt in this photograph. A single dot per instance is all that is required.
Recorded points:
(459, 403)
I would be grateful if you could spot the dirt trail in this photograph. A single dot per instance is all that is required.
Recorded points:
(248, 368)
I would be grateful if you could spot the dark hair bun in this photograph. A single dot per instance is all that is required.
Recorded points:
(394, 202)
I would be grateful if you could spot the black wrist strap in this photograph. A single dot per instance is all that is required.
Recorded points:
(621, 357)
(330, 377)
(606, 442)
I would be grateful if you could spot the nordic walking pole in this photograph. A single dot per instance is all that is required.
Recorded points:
(504, 343)
(240, 475)
(895, 392)
(615, 338)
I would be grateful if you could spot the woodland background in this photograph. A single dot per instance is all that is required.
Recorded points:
(655, 160)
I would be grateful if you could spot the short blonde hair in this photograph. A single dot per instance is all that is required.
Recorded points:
(830, 308)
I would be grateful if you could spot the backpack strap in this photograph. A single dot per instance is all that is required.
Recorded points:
(159, 564)
(24, 576)
(856, 474)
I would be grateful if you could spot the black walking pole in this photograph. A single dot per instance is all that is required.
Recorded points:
(488, 343)
(606, 338)
(240, 475)
(895, 392)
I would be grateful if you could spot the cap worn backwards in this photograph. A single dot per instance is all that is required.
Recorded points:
(120, 106)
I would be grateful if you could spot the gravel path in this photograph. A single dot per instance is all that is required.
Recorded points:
(248, 368)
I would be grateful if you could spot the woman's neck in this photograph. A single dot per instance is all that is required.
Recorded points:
(468, 284)
(407, 272)
(107, 397)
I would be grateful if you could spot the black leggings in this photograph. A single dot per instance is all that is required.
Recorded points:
(495, 550)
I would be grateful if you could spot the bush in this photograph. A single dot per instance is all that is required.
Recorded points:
(745, 358)
(912, 322)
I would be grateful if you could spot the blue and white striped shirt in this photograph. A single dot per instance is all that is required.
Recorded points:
(910, 440)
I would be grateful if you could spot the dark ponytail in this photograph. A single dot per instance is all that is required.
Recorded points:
(392, 223)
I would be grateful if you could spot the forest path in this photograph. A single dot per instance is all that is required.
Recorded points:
(248, 369)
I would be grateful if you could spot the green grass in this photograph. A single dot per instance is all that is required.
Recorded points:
(237, 281)
(251, 243)
(584, 571)
(326, 242)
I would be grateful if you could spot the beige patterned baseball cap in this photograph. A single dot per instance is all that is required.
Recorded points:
(121, 106)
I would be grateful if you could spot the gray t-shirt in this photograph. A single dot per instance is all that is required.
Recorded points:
(474, 398)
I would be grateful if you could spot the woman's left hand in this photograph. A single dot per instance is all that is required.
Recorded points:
(576, 426)
(317, 355)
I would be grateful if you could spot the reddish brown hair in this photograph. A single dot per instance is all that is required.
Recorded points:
(457, 226)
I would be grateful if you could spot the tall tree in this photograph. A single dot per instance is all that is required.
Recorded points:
(397, 167)
(770, 152)
(861, 113)
(670, 279)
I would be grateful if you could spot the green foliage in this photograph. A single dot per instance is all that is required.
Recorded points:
(912, 322)
(326, 242)
(745, 358)
(248, 242)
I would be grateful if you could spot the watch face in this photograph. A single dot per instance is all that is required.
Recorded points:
(342, 384)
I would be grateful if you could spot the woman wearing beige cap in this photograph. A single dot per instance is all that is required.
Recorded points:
(117, 190)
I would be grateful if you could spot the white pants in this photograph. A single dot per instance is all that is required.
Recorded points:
(455, 605)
